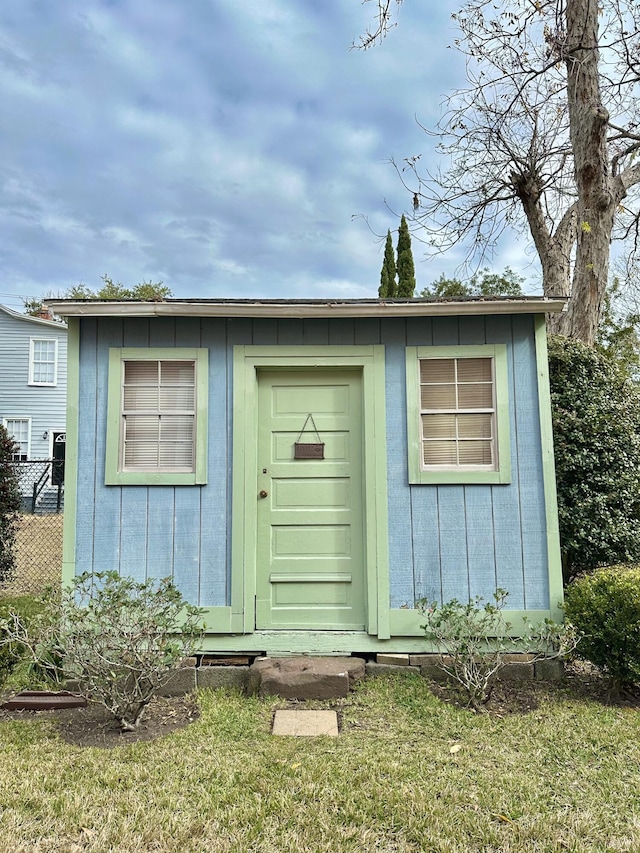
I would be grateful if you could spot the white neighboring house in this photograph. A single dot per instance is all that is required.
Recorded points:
(33, 384)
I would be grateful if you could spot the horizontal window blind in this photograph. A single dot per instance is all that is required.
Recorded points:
(158, 414)
(457, 400)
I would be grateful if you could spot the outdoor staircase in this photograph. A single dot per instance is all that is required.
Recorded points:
(47, 503)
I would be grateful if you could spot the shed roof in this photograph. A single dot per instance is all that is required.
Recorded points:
(305, 308)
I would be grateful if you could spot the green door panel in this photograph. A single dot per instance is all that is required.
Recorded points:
(310, 552)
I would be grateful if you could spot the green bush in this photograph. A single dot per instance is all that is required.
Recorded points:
(596, 432)
(26, 607)
(9, 505)
(605, 608)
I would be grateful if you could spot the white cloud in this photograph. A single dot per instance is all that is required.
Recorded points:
(223, 147)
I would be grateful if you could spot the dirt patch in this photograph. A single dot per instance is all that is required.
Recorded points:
(94, 726)
(512, 697)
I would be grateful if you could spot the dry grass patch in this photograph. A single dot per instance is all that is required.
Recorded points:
(407, 774)
(39, 554)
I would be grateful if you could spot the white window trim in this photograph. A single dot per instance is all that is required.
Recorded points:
(5, 422)
(32, 343)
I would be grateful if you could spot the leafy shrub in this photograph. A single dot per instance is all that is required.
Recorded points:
(10, 502)
(119, 639)
(605, 609)
(475, 638)
(596, 430)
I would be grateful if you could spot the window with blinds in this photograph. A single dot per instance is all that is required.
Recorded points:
(458, 413)
(158, 416)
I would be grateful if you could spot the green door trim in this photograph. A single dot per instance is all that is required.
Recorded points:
(247, 361)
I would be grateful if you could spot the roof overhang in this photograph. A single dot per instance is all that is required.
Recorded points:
(306, 308)
(61, 327)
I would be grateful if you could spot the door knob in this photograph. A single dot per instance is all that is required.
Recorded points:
(263, 494)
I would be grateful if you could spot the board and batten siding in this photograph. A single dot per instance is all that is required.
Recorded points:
(44, 405)
(444, 540)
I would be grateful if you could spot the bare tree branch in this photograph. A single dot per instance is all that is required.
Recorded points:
(541, 141)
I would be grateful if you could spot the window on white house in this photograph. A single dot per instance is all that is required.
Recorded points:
(43, 361)
(19, 429)
(458, 414)
(157, 416)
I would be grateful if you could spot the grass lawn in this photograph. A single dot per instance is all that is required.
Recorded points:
(407, 773)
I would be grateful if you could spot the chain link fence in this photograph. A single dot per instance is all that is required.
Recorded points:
(38, 549)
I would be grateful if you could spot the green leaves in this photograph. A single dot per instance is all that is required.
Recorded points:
(10, 502)
(596, 427)
(605, 609)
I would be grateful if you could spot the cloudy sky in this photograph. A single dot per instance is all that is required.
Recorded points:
(221, 146)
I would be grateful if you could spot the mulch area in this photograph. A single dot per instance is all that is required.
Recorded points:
(94, 726)
(582, 680)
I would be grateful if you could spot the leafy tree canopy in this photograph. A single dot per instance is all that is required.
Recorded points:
(112, 290)
(485, 283)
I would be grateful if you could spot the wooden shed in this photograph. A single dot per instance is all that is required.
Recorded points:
(307, 469)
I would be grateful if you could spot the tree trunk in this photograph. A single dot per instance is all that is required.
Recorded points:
(598, 192)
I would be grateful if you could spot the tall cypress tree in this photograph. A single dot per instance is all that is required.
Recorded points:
(387, 289)
(406, 270)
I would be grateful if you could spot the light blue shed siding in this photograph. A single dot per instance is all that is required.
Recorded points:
(444, 541)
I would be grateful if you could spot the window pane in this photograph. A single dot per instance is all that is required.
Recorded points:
(176, 456)
(440, 452)
(176, 427)
(438, 426)
(474, 370)
(18, 429)
(438, 396)
(141, 372)
(141, 428)
(475, 453)
(43, 373)
(141, 455)
(177, 372)
(475, 396)
(177, 398)
(437, 370)
(137, 398)
(474, 426)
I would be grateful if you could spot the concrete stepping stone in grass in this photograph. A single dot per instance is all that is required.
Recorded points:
(305, 723)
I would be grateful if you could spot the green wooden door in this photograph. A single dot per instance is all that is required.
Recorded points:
(310, 555)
